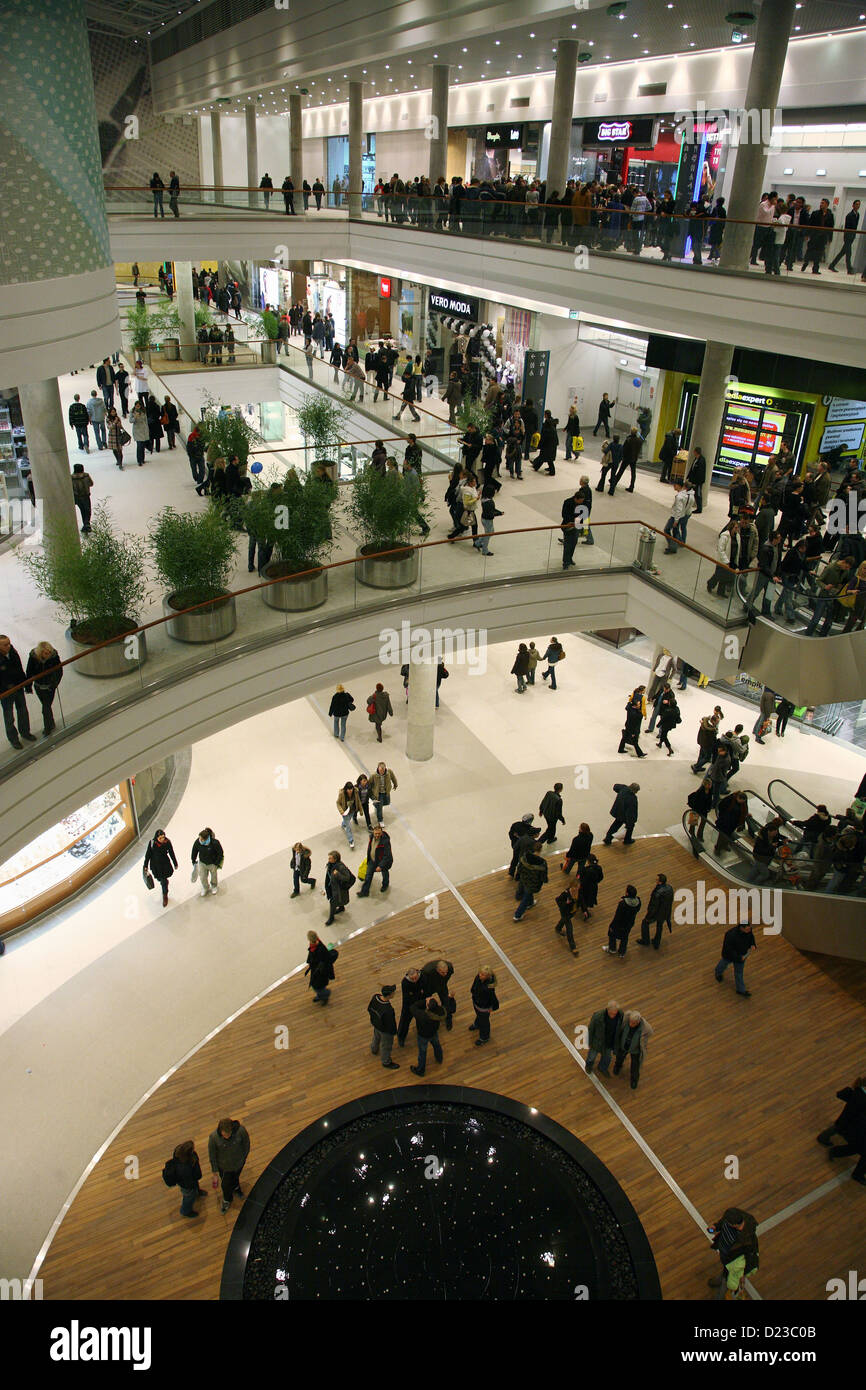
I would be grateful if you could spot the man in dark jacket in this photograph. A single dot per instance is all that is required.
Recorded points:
(630, 451)
(434, 980)
(667, 454)
(79, 419)
(605, 406)
(850, 1126)
(529, 416)
(821, 223)
(522, 835)
(623, 920)
(412, 992)
(698, 476)
(12, 674)
(569, 528)
(227, 1150)
(105, 381)
(700, 803)
(428, 1016)
(624, 811)
(531, 876)
(603, 1028)
(550, 811)
(207, 852)
(735, 1238)
(379, 859)
(737, 944)
(658, 910)
(384, 1022)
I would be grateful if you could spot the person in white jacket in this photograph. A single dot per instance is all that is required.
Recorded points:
(727, 551)
(675, 527)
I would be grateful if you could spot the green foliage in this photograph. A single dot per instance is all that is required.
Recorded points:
(295, 519)
(270, 325)
(381, 510)
(322, 423)
(203, 316)
(472, 412)
(193, 553)
(141, 326)
(228, 431)
(100, 585)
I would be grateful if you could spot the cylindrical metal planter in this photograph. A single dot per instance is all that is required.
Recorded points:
(117, 659)
(219, 619)
(395, 571)
(295, 594)
(269, 351)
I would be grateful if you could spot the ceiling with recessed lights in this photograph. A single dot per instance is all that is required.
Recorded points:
(135, 18)
(397, 61)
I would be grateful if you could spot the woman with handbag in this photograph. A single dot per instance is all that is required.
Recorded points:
(160, 862)
(140, 430)
(169, 421)
(117, 435)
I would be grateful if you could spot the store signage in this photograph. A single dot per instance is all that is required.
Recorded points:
(536, 366)
(505, 137)
(749, 398)
(384, 287)
(847, 437)
(447, 302)
(620, 132)
(838, 408)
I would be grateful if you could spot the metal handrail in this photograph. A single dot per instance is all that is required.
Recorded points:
(744, 849)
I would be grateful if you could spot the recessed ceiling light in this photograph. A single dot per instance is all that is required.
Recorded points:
(496, 41)
(520, 55)
(465, 50)
(635, 36)
(646, 51)
(487, 62)
(532, 36)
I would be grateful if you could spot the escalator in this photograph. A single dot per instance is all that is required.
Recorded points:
(808, 670)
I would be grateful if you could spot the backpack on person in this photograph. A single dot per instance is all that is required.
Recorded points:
(169, 1173)
(535, 441)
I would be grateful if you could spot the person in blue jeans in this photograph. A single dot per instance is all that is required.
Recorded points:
(339, 710)
(552, 656)
(187, 1174)
(428, 1016)
(738, 942)
(379, 857)
(157, 188)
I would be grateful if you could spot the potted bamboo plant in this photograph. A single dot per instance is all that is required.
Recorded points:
(294, 519)
(322, 423)
(141, 327)
(270, 327)
(194, 556)
(101, 588)
(383, 513)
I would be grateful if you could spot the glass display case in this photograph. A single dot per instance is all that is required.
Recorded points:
(64, 858)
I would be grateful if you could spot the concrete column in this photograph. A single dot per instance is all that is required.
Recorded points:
(422, 710)
(762, 94)
(296, 157)
(216, 140)
(185, 308)
(252, 156)
(438, 128)
(563, 110)
(711, 401)
(356, 139)
(47, 449)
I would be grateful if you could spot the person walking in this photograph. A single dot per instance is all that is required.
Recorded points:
(173, 192)
(105, 381)
(183, 1170)
(679, 515)
(667, 454)
(531, 875)
(632, 1036)
(570, 530)
(160, 861)
(521, 835)
(379, 708)
(669, 717)
(550, 811)
(96, 413)
(852, 220)
(453, 397)
(552, 656)
(320, 967)
(384, 1021)
(568, 902)
(700, 803)
(578, 850)
(659, 907)
(408, 392)
(338, 881)
(624, 811)
(737, 943)
(82, 484)
(698, 476)
(45, 673)
(767, 709)
(340, 708)
(380, 859)
(412, 992)
(228, 1148)
(849, 1125)
(708, 738)
(349, 806)
(116, 437)
(520, 669)
(381, 784)
(428, 1015)
(735, 1239)
(547, 444)
(302, 861)
(207, 860)
(484, 1002)
(14, 705)
(196, 456)
(121, 381)
(534, 656)
(635, 714)
(157, 188)
(630, 453)
(605, 406)
(622, 922)
(602, 1035)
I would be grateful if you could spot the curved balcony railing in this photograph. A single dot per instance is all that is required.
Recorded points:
(800, 608)
(676, 240)
(152, 655)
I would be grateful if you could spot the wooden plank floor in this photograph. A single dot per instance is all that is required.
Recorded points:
(753, 1078)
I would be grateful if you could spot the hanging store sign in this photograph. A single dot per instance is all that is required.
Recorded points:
(503, 137)
(641, 131)
(465, 306)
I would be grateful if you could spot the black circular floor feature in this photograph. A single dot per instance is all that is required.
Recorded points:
(435, 1193)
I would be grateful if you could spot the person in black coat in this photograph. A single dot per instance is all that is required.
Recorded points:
(630, 452)
(161, 861)
(568, 902)
(698, 476)
(548, 444)
(661, 901)
(669, 718)
(379, 858)
(850, 1125)
(624, 811)
(412, 992)
(207, 854)
(339, 710)
(172, 428)
(550, 811)
(484, 1002)
(435, 976)
(338, 880)
(12, 674)
(578, 850)
(288, 190)
(428, 1017)
(185, 1169)
(738, 942)
(384, 1021)
(522, 836)
(700, 803)
(154, 411)
(622, 922)
(634, 712)
(320, 968)
(43, 667)
(591, 875)
(302, 862)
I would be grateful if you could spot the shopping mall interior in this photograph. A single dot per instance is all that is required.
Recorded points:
(312, 397)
